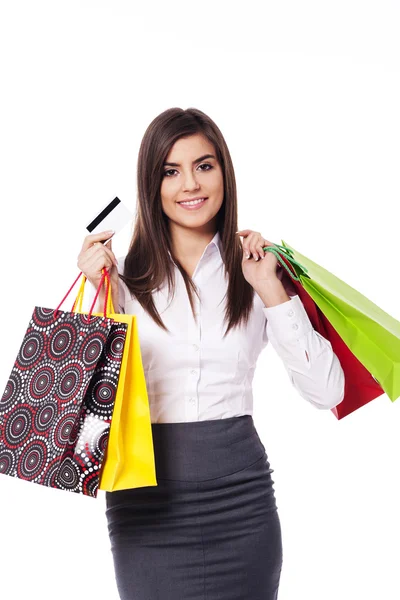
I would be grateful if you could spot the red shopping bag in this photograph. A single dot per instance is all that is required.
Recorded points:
(360, 385)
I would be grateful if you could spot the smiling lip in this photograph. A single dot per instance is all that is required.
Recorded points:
(192, 206)
(191, 199)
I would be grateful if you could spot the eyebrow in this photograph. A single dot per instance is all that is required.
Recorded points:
(172, 164)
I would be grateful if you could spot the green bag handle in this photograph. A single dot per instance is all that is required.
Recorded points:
(288, 253)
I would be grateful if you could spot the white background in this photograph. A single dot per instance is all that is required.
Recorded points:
(307, 95)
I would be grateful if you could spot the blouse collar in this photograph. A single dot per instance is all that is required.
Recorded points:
(214, 246)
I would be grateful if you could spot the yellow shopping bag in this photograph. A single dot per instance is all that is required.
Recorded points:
(129, 457)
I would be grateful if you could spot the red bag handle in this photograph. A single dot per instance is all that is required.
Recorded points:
(104, 278)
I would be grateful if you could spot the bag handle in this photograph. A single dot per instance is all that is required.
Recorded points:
(105, 278)
(288, 254)
(79, 298)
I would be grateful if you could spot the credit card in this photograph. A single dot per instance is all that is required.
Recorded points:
(113, 216)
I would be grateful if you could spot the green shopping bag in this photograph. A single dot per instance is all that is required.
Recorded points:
(371, 334)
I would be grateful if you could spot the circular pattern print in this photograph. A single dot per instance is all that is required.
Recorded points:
(116, 347)
(92, 348)
(11, 392)
(63, 429)
(42, 382)
(7, 461)
(72, 375)
(44, 417)
(68, 475)
(31, 350)
(43, 316)
(103, 395)
(33, 459)
(61, 341)
(17, 425)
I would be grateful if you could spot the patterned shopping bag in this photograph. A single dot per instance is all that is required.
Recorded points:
(56, 409)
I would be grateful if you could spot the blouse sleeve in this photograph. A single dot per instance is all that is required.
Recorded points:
(313, 368)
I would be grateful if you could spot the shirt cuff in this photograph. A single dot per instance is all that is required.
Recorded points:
(289, 320)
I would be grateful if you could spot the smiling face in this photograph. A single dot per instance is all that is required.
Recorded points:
(191, 170)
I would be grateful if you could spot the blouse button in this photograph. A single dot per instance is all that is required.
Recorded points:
(290, 313)
(195, 346)
(295, 326)
(193, 372)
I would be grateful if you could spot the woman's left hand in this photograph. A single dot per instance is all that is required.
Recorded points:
(261, 265)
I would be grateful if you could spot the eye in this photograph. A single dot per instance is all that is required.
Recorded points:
(202, 165)
(206, 165)
(169, 171)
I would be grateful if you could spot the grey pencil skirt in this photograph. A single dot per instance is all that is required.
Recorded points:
(210, 529)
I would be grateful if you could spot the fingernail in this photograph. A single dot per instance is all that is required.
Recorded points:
(247, 255)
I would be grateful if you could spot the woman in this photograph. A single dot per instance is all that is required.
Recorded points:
(210, 528)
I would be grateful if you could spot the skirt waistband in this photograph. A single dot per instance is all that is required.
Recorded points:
(201, 450)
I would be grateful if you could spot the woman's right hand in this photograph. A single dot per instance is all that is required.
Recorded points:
(95, 256)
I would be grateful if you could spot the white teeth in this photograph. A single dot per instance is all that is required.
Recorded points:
(193, 202)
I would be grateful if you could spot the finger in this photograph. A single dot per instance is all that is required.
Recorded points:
(108, 245)
(99, 261)
(260, 251)
(250, 244)
(99, 247)
(96, 237)
(87, 255)
(261, 245)
(111, 254)
(246, 251)
(267, 243)
(256, 247)
(93, 256)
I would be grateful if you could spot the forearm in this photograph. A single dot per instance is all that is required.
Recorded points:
(271, 292)
(308, 357)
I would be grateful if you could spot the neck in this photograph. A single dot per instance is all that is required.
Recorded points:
(188, 245)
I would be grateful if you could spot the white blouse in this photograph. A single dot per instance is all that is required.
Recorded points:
(192, 374)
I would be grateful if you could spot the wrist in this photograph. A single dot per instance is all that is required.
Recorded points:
(271, 292)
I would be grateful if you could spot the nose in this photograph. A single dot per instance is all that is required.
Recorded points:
(189, 182)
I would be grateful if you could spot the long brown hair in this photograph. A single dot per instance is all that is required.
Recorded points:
(146, 265)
